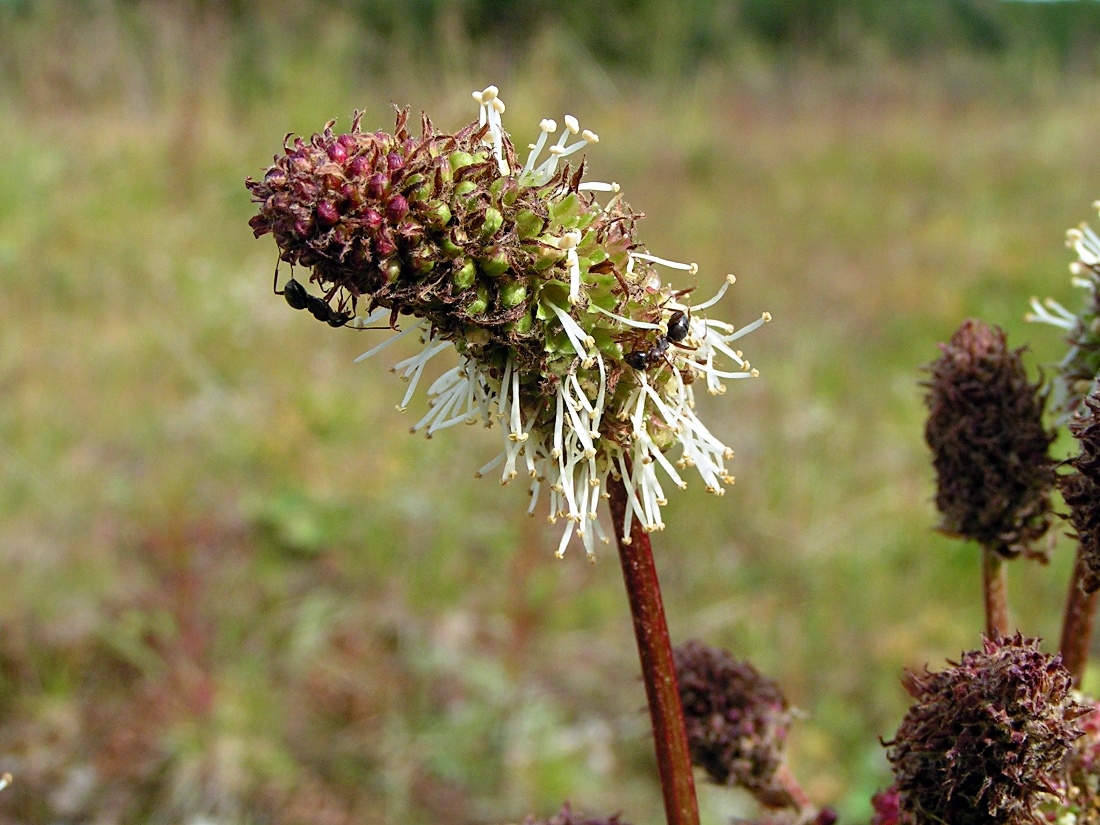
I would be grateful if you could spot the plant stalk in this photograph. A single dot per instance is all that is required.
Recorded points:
(658, 671)
(1077, 623)
(995, 591)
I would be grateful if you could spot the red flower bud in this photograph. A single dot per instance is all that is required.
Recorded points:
(327, 213)
(397, 208)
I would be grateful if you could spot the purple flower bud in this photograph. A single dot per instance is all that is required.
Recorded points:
(337, 153)
(378, 185)
(372, 220)
(394, 161)
(351, 193)
(303, 227)
(359, 165)
(347, 141)
(384, 245)
(327, 213)
(397, 208)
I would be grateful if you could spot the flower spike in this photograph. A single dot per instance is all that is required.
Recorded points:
(565, 335)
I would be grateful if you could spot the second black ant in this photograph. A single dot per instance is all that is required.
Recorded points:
(298, 298)
(679, 324)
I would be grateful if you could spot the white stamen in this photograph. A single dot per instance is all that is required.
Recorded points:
(388, 341)
(691, 268)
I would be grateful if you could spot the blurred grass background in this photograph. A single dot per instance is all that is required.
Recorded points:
(236, 591)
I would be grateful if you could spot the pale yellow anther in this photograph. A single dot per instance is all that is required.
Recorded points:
(548, 125)
(590, 136)
(571, 124)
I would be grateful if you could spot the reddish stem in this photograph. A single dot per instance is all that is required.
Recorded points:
(1077, 623)
(658, 671)
(995, 591)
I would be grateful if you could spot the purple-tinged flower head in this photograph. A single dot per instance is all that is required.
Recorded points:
(564, 331)
(1081, 487)
(737, 721)
(887, 807)
(1079, 784)
(1078, 370)
(987, 738)
(990, 449)
(566, 817)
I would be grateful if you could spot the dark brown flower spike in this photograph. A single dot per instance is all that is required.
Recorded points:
(1081, 488)
(737, 723)
(1081, 491)
(986, 736)
(990, 448)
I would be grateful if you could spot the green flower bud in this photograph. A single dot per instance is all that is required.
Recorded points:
(465, 275)
(492, 224)
(513, 294)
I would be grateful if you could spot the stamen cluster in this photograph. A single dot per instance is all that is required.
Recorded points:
(564, 331)
(1077, 371)
(990, 449)
(987, 736)
(737, 721)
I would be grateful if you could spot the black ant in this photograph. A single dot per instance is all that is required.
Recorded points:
(678, 326)
(676, 332)
(298, 298)
(643, 359)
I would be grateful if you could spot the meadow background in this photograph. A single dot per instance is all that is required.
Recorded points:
(233, 589)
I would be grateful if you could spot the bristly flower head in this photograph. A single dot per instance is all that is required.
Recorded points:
(737, 721)
(1081, 488)
(565, 333)
(989, 447)
(1079, 801)
(887, 807)
(986, 740)
(1078, 370)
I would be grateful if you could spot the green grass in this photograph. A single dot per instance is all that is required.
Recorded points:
(236, 586)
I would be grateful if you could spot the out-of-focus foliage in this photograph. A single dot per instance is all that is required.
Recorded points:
(618, 35)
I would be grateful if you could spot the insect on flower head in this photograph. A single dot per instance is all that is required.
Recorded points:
(565, 334)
